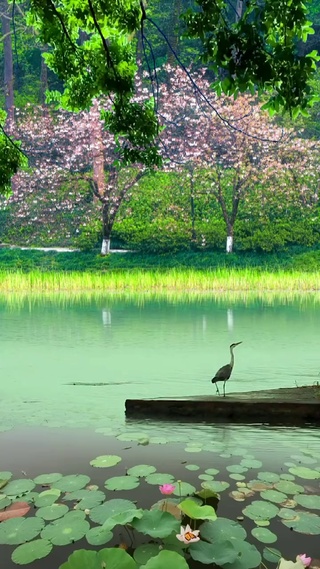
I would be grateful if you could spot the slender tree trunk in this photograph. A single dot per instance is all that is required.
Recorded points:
(43, 78)
(107, 223)
(8, 59)
(173, 35)
(229, 242)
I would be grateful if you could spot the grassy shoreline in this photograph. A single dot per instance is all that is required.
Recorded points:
(183, 280)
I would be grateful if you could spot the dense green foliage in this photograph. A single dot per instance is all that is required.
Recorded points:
(11, 158)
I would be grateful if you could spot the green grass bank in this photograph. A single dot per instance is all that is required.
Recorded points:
(32, 270)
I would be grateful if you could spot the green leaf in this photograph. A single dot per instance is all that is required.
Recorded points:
(304, 472)
(52, 512)
(86, 499)
(115, 558)
(219, 553)
(183, 489)
(158, 479)
(309, 501)
(216, 486)
(146, 551)
(72, 482)
(303, 522)
(44, 479)
(272, 555)
(273, 496)
(66, 530)
(47, 498)
(20, 530)
(288, 487)
(141, 470)
(192, 467)
(196, 512)
(222, 530)
(264, 535)
(98, 536)
(82, 559)
(110, 509)
(122, 518)
(105, 461)
(268, 477)
(166, 559)
(32, 551)
(18, 487)
(156, 523)
(122, 483)
(260, 510)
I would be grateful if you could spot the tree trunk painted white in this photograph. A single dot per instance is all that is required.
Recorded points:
(229, 244)
(105, 247)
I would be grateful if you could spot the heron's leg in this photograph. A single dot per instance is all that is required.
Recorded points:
(224, 388)
(217, 389)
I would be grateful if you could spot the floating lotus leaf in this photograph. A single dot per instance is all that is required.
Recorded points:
(109, 509)
(311, 502)
(205, 477)
(288, 487)
(271, 554)
(273, 496)
(146, 551)
(30, 497)
(219, 553)
(156, 523)
(16, 510)
(264, 535)
(112, 558)
(141, 470)
(98, 536)
(4, 501)
(289, 503)
(183, 489)
(304, 472)
(260, 510)
(72, 482)
(286, 476)
(122, 483)
(168, 506)
(236, 468)
(20, 530)
(86, 498)
(197, 512)
(212, 471)
(192, 467)
(269, 477)
(131, 436)
(68, 529)
(262, 523)
(105, 461)
(304, 459)
(248, 557)
(159, 478)
(45, 479)
(157, 441)
(258, 485)
(237, 476)
(166, 559)
(205, 494)
(240, 496)
(251, 463)
(122, 518)
(215, 485)
(47, 498)
(53, 512)
(193, 449)
(222, 530)
(32, 551)
(304, 522)
(5, 475)
(287, 514)
(17, 488)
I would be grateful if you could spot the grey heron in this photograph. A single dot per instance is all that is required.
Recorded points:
(224, 373)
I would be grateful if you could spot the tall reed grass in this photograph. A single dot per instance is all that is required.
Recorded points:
(219, 280)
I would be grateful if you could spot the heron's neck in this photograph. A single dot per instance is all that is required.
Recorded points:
(232, 357)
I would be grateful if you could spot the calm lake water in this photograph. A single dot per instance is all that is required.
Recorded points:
(143, 346)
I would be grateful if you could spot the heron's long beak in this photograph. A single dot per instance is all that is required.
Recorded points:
(237, 343)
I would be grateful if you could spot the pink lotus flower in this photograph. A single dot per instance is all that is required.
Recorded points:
(187, 535)
(167, 489)
(304, 559)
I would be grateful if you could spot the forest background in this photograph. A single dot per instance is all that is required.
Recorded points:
(260, 191)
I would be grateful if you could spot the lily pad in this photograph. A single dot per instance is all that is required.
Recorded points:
(47, 498)
(45, 479)
(159, 478)
(86, 499)
(304, 522)
(219, 553)
(53, 512)
(215, 486)
(268, 477)
(271, 554)
(212, 471)
(221, 530)
(156, 523)
(109, 509)
(16, 510)
(17, 488)
(32, 551)
(98, 536)
(66, 530)
(205, 477)
(141, 470)
(192, 467)
(264, 535)
(105, 461)
(305, 473)
(183, 489)
(20, 530)
(72, 482)
(122, 483)
(236, 469)
(166, 559)
(193, 449)
(288, 487)
(237, 476)
(4, 501)
(122, 518)
(112, 558)
(311, 502)
(251, 463)
(144, 552)
(260, 510)
(273, 496)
